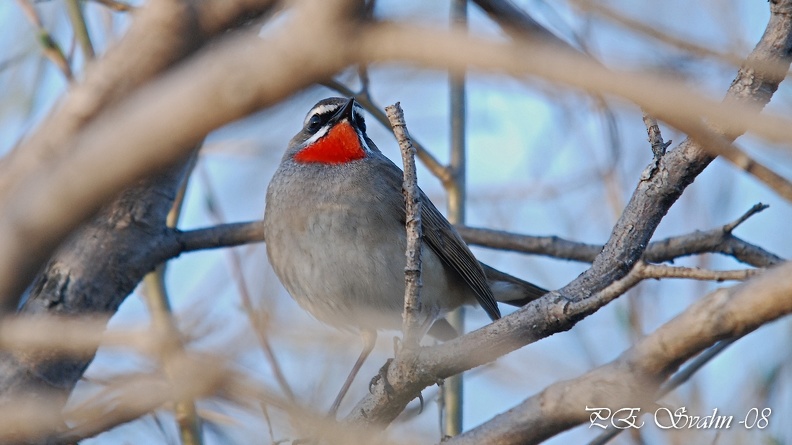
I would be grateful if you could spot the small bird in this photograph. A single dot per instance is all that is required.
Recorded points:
(334, 228)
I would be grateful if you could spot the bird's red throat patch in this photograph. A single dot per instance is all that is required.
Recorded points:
(341, 144)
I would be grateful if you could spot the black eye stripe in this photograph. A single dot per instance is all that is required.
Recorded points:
(328, 112)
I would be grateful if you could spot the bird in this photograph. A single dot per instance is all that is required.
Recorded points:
(334, 228)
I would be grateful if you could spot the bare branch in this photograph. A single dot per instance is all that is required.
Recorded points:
(655, 138)
(116, 5)
(545, 315)
(161, 35)
(222, 235)
(164, 325)
(49, 47)
(718, 240)
(634, 378)
(80, 28)
(674, 382)
(660, 271)
(411, 326)
(655, 32)
(660, 95)
(756, 208)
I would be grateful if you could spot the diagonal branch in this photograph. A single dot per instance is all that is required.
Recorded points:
(635, 377)
(674, 382)
(49, 47)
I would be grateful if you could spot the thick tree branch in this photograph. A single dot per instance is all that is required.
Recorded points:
(675, 381)
(120, 242)
(662, 96)
(634, 378)
(161, 35)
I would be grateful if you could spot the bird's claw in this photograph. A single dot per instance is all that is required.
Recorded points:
(382, 375)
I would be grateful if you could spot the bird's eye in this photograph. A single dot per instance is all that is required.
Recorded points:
(314, 123)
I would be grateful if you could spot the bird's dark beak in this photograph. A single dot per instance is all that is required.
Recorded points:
(345, 112)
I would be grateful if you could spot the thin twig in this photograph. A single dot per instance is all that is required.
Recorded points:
(688, 45)
(720, 146)
(116, 5)
(655, 138)
(162, 320)
(453, 388)
(49, 47)
(80, 28)
(11, 61)
(756, 208)
(412, 271)
(658, 271)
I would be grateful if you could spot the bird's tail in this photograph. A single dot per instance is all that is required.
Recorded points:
(511, 290)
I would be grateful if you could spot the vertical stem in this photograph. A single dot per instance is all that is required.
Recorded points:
(80, 28)
(414, 227)
(190, 429)
(453, 392)
(159, 305)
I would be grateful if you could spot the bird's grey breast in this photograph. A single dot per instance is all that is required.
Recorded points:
(334, 244)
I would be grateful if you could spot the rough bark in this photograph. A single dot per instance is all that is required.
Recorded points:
(91, 274)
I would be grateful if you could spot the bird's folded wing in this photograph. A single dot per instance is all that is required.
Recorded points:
(452, 250)
(441, 237)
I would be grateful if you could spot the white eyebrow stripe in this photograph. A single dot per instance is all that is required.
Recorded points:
(320, 109)
(331, 108)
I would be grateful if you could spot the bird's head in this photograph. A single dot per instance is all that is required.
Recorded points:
(334, 132)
